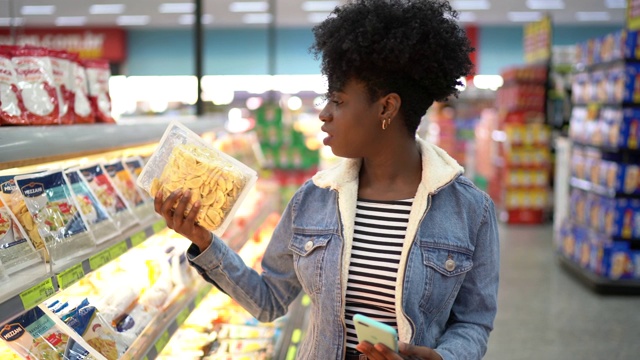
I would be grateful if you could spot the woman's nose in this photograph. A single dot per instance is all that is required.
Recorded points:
(325, 114)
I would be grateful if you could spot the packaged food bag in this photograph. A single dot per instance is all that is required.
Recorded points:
(16, 251)
(98, 73)
(185, 161)
(80, 106)
(125, 183)
(95, 214)
(13, 199)
(36, 85)
(56, 214)
(11, 106)
(61, 67)
(108, 195)
(34, 335)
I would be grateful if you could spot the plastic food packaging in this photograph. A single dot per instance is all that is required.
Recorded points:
(79, 102)
(55, 213)
(62, 70)
(16, 251)
(108, 195)
(36, 85)
(11, 106)
(125, 183)
(98, 74)
(14, 200)
(95, 214)
(35, 336)
(184, 161)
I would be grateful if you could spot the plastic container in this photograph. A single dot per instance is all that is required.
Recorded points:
(184, 161)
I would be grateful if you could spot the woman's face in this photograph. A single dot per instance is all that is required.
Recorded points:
(352, 121)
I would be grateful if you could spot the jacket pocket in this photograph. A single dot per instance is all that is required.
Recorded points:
(308, 257)
(445, 268)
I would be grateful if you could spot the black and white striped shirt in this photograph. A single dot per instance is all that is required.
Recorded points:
(379, 232)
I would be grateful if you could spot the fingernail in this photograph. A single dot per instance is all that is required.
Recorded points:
(187, 193)
(196, 204)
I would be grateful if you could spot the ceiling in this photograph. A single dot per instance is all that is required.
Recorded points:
(290, 13)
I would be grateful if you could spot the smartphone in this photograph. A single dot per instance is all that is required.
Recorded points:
(375, 332)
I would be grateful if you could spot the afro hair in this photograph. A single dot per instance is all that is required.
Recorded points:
(414, 48)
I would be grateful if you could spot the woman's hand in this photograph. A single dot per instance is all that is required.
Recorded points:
(381, 352)
(185, 226)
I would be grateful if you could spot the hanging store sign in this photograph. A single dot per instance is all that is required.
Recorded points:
(107, 44)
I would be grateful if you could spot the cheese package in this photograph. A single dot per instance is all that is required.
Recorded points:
(96, 216)
(108, 195)
(98, 73)
(61, 70)
(11, 105)
(36, 85)
(34, 335)
(80, 106)
(13, 199)
(16, 251)
(56, 214)
(185, 161)
(125, 183)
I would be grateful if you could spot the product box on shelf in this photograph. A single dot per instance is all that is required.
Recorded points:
(621, 217)
(611, 127)
(622, 44)
(621, 178)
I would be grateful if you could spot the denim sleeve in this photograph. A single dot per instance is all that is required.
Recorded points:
(475, 307)
(266, 296)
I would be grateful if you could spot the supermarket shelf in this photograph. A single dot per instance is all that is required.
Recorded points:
(35, 291)
(160, 330)
(608, 149)
(30, 145)
(598, 283)
(599, 189)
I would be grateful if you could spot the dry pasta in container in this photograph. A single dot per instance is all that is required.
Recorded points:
(125, 183)
(108, 195)
(56, 214)
(34, 335)
(16, 250)
(14, 200)
(135, 164)
(185, 161)
(95, 214)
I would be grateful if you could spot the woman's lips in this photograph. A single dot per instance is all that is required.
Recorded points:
(326, 140)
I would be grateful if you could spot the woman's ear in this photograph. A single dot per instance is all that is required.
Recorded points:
(390, 106)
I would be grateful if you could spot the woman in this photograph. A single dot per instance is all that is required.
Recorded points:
(394, 231)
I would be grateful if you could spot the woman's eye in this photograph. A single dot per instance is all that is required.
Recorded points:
(336, 102)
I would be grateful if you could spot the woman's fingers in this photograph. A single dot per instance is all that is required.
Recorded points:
(178, 213)
(166, 210)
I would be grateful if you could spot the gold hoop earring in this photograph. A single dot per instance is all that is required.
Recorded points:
(385, 123)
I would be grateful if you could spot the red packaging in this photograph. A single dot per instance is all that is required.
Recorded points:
(61, 66)
(36, 85)
(98, 73)
(80, 104)
(11, 106)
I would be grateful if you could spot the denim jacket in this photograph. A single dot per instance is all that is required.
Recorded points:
(447, 284)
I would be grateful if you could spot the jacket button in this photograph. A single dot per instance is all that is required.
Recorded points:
(450, 265)
(308, 245)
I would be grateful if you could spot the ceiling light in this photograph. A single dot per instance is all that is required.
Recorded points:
(471, 4)
(319, 5)
(5, 21)
(133, 20)
(318, 17)
(467, 16)
(38, 10)
(177, 8)
(593, 16)
(257, 18)
(524, 16)
(106, 9)
(545, 4)
(615, 4)
(71, 21)
(251, 6)
(189, 19)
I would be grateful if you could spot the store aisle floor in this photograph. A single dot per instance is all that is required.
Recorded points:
(546, 314)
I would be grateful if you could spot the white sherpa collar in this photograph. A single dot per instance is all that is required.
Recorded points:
(438, 169)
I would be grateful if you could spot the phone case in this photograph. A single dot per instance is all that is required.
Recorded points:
(375, 332)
